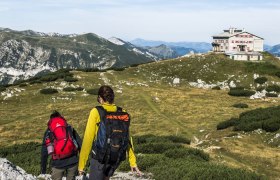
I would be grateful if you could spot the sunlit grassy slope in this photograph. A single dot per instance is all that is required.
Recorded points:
(157, 107)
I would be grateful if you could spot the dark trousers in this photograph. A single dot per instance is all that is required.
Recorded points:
(71, 172)
(96, 170)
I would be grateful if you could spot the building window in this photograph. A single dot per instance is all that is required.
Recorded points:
(232, 41)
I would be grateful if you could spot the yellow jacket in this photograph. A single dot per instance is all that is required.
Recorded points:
(90, 135)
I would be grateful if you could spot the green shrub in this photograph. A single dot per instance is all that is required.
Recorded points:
(156, 148)
(27, 156)
(49, 78)
(22, 85)
(260, 88)
(277, 74)
(260, 80)
(2, 88)
(186, 152)
(116, 69)
(92, 91)
(70, 79)
(80, 89)
(134, 65)
(48, 91)
(273, 87)
(271, 125)
(271, 95)
(216, 88)
(154, 139)
(69, 89)
(240, 105)
(89, 70)
(261, 118)
(173, 163)
(35, 82)
(241, 92)
(228, 123)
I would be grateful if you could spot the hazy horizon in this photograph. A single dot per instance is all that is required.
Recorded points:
(171, 21)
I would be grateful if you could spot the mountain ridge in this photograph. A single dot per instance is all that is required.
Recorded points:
(28, 52)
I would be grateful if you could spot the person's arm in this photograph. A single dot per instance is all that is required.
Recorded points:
(44, 155)
(89, 136)
(132, 158)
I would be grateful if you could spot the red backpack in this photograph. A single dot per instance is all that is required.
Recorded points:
(62, 139)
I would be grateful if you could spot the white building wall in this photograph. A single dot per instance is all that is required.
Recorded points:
(252, 43)
(258, 45)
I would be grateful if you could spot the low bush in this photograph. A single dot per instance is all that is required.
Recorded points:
(228, 123)
(260, 80)
(216, 88)
(261, 118)
(241, 92)
(80, 89)
(2, 88)
(277, 74)
(69, 89)
(49, 78)
(240, 105)
(22, 85)
(273, 87)
(260, 88)
(92, 91)
(116, 69)
(48, 91)
(70, 79)
(186, 152)
(175, 162)
(156, 148)
(271, 95)
(154, 139)
(27, 156)
(89, 70)
(35, 82)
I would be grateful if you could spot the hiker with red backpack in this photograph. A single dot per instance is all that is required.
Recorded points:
(63, 143)
(106, 138)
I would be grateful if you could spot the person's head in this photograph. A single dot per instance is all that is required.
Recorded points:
(106, 94)
(55, 114)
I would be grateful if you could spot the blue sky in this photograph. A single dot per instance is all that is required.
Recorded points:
(168, 20)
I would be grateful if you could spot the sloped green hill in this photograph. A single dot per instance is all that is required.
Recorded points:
(160, 107)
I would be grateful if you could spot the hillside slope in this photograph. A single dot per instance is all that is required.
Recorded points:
(162, 101)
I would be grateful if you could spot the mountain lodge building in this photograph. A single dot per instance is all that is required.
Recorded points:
(238, 45)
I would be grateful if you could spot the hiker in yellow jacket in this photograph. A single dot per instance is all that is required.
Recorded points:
(106, 99)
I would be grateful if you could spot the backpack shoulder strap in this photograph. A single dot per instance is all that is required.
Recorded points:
(102, 112)
(119, 109)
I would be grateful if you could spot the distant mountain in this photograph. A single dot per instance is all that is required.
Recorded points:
(266, 47)
(181, 51)
(275, 50)
(197, 46)
(134, 48)
(24, 54)
(163, 51)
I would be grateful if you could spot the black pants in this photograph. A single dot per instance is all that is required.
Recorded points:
(96, 170)
(57, 174)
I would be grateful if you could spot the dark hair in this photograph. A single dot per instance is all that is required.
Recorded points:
(106, 93)
(55, 114)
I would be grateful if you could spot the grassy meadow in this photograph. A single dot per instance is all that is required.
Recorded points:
(159, 108)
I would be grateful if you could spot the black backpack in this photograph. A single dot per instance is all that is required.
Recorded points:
(112, 139)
